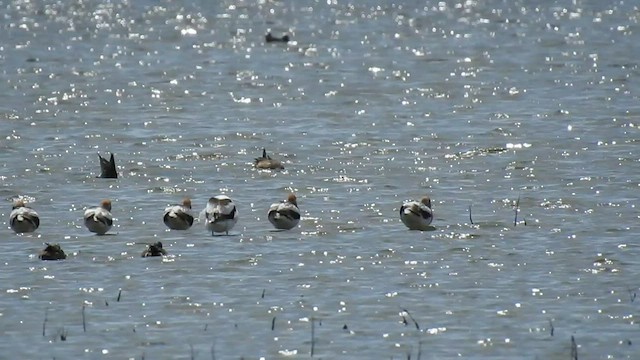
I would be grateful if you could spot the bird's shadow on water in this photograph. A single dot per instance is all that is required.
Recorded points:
(30, 235)
(428, 228)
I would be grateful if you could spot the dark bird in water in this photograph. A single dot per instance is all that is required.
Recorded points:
(270, 38)
(108, 168)
(154, 249)
(52, 252)
(266, 162)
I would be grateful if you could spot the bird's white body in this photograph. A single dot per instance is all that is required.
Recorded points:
(220, 215)
(417, 215)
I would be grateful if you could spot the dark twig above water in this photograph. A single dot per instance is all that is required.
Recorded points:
(470, 218)
(313, 335)
(412, 319)
(108, 168)
(515, 219)
(44, 323)
(574, 349)
(551, 328)
(84, 320)
(119, 294)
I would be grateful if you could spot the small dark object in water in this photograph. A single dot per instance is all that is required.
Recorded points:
(52, 252)
(270, 38)
(154, 250)
(63, 334)
(266, 162)
(108, 168)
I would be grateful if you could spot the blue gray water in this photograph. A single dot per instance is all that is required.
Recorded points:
(476, 103)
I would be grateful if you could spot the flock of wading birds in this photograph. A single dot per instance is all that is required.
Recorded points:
(219, 216)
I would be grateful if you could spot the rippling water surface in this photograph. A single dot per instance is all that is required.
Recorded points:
(483, 105)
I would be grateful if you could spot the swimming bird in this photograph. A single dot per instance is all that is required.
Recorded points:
(417, 215)
(154, 249)
(52, 252)
(220, 215)
(266, 162)
(23, 219)
(98, 219)
(108, 168)
(285, 215)
(179, 217)
(270, 38)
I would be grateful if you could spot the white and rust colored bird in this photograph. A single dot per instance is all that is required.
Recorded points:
(220, 215)
(23, 219)
(98, 219)
(285, 215)
(417, 215)
(179, 217)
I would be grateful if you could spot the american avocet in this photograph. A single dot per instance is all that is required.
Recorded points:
(23, 219)
(98, 219)
(179, 217)
(285, 215)
(220, 215)
(417, 215)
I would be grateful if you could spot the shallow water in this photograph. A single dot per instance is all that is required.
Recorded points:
(477, 104)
